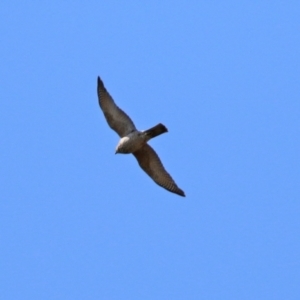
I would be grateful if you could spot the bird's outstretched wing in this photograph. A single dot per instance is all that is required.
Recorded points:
(151, 164)
(115, 117)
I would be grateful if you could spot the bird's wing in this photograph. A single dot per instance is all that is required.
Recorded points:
(151, 164)
(115, 117)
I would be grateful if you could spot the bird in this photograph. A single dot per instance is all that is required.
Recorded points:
(135, 141)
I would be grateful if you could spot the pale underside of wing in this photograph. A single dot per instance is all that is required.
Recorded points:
(151, 164)
(116, 118)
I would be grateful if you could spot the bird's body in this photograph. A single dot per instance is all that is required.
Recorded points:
(135, 141)
(131, 142)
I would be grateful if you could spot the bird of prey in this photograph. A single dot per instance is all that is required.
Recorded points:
(135, 141)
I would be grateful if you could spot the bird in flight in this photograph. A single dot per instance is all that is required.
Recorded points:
(135, 141)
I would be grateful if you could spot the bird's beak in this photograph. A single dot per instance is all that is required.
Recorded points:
(116, 152)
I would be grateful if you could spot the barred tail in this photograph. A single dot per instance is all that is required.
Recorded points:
(156, 130)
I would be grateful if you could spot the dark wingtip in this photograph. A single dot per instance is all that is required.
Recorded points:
(180, 193)
(100, 85)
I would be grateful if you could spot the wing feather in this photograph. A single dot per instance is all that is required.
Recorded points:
(116, 118)
(152, 165)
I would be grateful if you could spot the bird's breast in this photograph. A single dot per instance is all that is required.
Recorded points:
(130, 143)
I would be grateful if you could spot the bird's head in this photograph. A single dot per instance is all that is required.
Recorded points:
(119, 149)
(122, 146)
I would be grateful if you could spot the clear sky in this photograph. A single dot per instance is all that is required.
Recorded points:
(79, 222)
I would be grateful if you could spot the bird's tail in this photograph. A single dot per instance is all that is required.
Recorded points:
(156, 130)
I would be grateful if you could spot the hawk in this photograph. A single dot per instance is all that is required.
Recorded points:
(135, 141)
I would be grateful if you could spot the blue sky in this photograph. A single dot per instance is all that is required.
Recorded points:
(79, 222)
